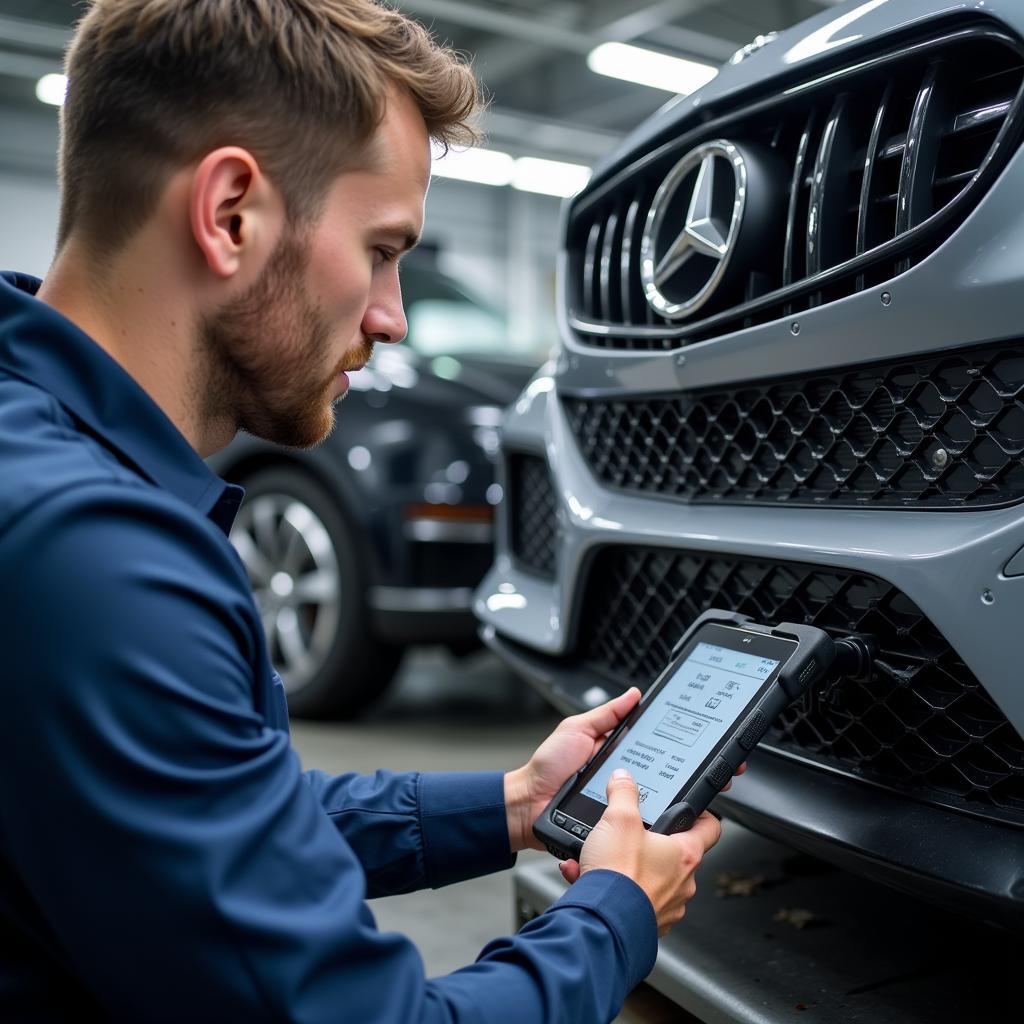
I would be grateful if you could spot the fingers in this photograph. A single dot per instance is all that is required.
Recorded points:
(707, 830)
(739, 771)
(570, 870)
(623, 794)
(604, 718)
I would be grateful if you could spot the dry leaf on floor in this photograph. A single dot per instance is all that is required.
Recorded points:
(732, 883)
(798, 917)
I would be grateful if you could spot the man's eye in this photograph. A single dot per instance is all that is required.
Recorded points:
(386, 255)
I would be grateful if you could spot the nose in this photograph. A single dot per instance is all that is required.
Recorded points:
(384, 319)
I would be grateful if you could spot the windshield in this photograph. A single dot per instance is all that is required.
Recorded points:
(445, 319)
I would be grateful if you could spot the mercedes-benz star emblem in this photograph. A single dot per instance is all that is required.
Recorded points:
(684, 255)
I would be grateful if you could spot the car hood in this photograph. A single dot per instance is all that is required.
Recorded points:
(502, 379)
(820, 42)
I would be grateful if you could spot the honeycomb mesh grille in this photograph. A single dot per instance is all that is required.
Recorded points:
(534, 524)
(941, 432)
(923, 724)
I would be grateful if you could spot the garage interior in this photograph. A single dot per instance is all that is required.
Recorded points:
(773, 934)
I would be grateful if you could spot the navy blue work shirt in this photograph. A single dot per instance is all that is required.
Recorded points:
(163, 857)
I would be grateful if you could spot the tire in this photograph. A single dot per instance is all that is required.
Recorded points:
(303, 559)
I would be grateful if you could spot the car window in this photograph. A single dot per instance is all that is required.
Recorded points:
(447, 319)
(441, 326)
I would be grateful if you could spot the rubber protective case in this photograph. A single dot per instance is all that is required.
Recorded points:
(809, 663)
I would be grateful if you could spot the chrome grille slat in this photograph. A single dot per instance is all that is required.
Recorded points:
(955, 179)
(610, 302)
(630, 237)
(793, 220)
(913, 200)
(973, 118)
(824, 187)
(591, 301)
(865, 209)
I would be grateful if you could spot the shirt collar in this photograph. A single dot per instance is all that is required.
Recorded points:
(39, 345)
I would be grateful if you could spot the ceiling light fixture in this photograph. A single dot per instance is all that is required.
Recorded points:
(527, 174)
(52, 89)
(482, 166)
(650, 68)
(549, 177)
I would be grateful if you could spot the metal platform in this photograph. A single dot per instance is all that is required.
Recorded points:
(865, 953)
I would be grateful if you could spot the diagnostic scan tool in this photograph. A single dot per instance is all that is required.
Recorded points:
(728, 680)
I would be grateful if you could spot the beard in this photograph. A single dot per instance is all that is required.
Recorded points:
(267, 356)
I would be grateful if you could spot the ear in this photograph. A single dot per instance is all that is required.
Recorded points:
(235, 212)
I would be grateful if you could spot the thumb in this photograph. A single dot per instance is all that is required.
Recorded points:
(623, 793)
(570, 870)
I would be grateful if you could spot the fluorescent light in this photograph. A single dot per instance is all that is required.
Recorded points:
(528, 174)
(549, 177)
(52, 89)
(483, 166)
(647, 67)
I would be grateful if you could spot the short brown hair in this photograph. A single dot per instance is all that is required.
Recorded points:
(154, 84)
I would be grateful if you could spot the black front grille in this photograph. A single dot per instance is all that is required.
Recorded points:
(869, 167)
(532, 512)
(923, 724)
(945, 431)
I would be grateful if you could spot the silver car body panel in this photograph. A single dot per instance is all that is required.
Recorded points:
(968, 291)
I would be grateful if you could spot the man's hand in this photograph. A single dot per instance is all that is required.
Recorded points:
(528, 790)
(663, 866)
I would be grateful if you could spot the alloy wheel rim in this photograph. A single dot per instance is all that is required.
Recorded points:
(293, 570)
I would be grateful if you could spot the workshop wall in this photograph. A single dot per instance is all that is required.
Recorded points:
(500, 242)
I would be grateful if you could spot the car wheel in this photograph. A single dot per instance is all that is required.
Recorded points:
(309, 582)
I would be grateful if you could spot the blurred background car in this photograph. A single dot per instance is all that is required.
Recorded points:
(375, 539)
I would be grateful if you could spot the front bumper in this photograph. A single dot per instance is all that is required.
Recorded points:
(430, 601)
(537, 624)
(422, 615)
(964, 864)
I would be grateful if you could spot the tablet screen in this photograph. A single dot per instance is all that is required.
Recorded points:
(692, 714)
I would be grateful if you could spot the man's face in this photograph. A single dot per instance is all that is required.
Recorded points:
(279, 352)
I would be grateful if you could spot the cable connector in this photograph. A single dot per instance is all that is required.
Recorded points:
(855, 657)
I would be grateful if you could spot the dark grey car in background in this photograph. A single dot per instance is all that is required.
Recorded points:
(791, 383)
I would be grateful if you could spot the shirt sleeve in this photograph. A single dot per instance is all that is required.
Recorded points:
(166, 833)
(414, 830)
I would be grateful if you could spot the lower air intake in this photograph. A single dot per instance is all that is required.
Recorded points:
(923, 725)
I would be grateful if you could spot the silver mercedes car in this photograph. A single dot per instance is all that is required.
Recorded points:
(791, 384)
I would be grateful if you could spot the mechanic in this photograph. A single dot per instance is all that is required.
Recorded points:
(238, 182)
